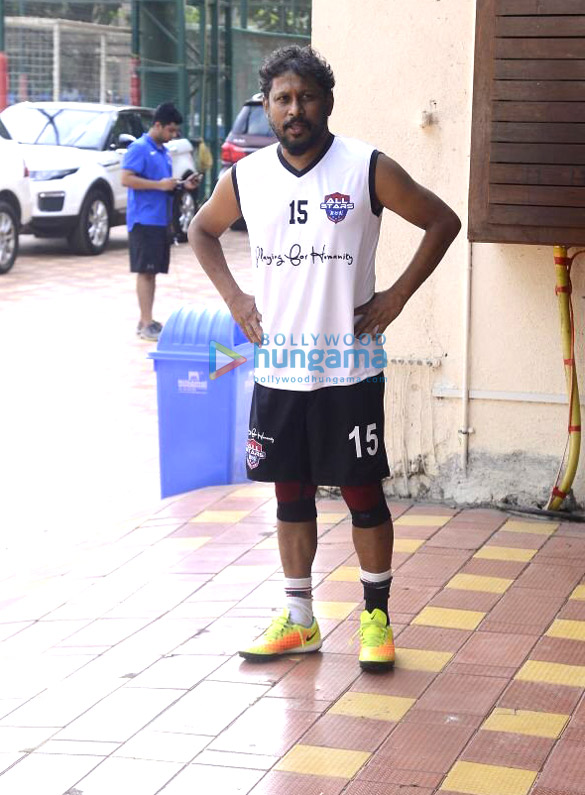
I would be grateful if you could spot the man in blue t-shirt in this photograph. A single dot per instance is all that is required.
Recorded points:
(147, 173)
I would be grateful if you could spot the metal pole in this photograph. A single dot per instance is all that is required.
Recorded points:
(135, 88)
(244, 14)
(3, 62)
(228, 85)
(103, 68)
(202, 100)
(182, 85)
(214, 94)
(56, 62)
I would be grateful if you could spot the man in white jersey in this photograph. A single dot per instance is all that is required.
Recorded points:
(312, 204)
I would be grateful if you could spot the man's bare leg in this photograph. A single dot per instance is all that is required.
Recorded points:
(145, 288)
(297, 542)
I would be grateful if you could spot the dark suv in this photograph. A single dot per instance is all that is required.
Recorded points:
(250, 132)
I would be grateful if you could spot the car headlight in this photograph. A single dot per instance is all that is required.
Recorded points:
(52, 174)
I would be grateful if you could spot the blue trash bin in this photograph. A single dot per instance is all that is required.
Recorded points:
(202, 420)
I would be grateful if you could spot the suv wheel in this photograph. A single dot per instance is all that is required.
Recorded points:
(8, 237)
(185, 206)
(91, 235)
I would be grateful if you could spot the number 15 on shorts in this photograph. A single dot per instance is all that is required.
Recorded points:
(370, 438)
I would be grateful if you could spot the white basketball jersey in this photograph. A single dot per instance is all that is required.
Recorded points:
(313, 238)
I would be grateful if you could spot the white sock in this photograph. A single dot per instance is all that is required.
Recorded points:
(299, 600)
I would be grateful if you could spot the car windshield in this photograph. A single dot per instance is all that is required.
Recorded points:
(251, 120)
(28, 124)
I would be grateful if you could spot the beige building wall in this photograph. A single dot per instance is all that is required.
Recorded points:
(396, 62)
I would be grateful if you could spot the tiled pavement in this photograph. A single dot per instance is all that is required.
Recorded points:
(119, 632)
(120, 671)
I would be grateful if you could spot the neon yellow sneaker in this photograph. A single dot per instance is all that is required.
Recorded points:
(377, 641)
(284, 637)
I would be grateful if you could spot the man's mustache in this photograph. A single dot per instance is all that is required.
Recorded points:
(296, 121)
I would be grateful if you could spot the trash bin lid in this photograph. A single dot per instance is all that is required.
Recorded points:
(190, 330)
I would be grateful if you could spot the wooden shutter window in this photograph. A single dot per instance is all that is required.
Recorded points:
(527, 180)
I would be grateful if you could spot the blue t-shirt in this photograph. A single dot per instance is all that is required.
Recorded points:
(145, 159)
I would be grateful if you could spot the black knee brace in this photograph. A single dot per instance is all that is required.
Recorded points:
(295, 502)
(367, 504)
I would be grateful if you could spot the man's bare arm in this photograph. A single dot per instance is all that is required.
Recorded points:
(397, 191)
(132, 180)
(212, 220)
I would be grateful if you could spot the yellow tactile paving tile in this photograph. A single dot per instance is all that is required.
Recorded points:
(537, 528)
(448, 618)
(552, 673)
(421, 659)
(505, 553)
(578, 593)
(321, 761)
(345, 574)
(420, 520)
(219, 517)
(477, 779)
(521, 721)
(268, 543)
(475, 582)
(253, 492)
(186, 542)
(330, 518)
(408, 544)
(372, 705)
(333, 609)
(571, 630)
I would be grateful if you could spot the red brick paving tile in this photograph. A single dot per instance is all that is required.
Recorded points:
(435, 569)
(280, 783)
(559, 650)
(409, 600)
(376, 788)
(342, 640)
(260, 557)
(344, 731)
(405, 531)
(432, 509)
(525, 611)
(440, 719)
(378, 771)
(508, 750)
(519, 540)
(422, 747)
(575, 734)
(330, 557)
(507, 672)
(460, 599)
(196, 529)
(578, 718)
(540, 791)
(210, 559)
(267, 727)
(301, 704)
(554, 579)
(336, 591)
(459, 693)
(573, 610)
(433, 638)
(238, 670)
(540, 697)
(460, 537)
(563, 550)
(398, 682)
(325, 676)
(508, 569)
(565, 766)
(221, 592)
(482, 515)
(490, 648)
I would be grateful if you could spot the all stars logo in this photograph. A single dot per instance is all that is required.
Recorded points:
(336, 206)
(254, 453)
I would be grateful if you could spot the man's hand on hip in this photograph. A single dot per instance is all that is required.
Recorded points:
(246, 315)
(379, 312)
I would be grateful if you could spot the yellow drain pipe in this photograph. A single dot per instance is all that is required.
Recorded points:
(563, 292)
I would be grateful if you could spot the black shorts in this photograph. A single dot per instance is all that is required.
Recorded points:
(150, 249)
(332, 436)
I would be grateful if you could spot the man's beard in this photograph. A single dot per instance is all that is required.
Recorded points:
(296, 148)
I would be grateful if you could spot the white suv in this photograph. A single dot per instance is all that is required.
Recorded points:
(74, 152)
(15, 200)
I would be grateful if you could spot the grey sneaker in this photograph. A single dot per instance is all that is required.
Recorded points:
(154, 323)
(150, 332)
